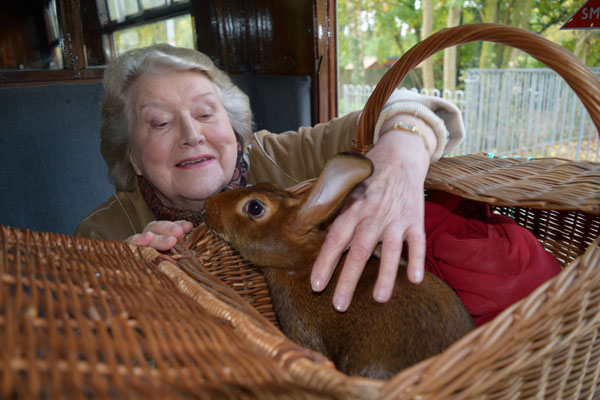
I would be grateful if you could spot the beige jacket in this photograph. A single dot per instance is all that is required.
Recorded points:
(285, 159)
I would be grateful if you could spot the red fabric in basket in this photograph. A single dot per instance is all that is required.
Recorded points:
(488, 259)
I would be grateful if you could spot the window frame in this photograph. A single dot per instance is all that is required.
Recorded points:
(172, 10)
(75, 67)
(322, 65)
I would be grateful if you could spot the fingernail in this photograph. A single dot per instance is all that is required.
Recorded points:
(181, 223)
(340, 303)
(418, 276)
(380, 295)
(317, 284)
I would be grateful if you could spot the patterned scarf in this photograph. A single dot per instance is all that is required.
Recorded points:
(164, 213)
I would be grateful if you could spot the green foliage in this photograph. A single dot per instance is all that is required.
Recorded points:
(388, 28)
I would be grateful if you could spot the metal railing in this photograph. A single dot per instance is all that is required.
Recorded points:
(526, 112)
(513, 112)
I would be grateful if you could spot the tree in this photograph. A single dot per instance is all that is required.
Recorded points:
(546, 19)
(450, 54)
(517, 14)
(490, 14)
(356, 40)
(388, 28)
(550, 13)
(427, 29)
(397, 27)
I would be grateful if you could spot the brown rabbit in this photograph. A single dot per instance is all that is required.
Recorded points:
(282, 233)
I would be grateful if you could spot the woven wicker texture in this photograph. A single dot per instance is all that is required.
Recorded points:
(202, 251)
(546, 183)
(545, 346)
(87, 319)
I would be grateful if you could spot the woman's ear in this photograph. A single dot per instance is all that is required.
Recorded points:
(341, 174)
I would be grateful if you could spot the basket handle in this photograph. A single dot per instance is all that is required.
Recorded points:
(581, 79)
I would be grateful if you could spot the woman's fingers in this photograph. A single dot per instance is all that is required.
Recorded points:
(169, 228)
(416, 254)
(364, 242)
(391, 253)
(335, 244)
(141, 239)
(151, 239)
(161, 235)
(389, 209)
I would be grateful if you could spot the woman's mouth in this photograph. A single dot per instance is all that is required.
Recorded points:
(191, 162)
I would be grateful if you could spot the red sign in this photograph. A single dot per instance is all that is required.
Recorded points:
(587, 17)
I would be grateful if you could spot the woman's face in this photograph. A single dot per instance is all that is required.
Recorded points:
(182, 141)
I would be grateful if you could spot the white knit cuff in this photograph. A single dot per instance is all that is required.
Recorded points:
(444, 118)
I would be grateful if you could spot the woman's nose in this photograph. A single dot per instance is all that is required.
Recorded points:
(191, 132)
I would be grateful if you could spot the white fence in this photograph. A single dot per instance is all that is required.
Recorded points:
(513, 112)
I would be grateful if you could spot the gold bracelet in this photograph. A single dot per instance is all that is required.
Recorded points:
(407, 127)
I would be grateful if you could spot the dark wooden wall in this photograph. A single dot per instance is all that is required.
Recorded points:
(274, 37)
(24, 39)
(278, 37)
(262, 36)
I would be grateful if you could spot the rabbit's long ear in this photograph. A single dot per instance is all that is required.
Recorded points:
(341, 174)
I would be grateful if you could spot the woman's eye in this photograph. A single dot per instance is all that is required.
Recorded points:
(160, 125)
(203, 112)
(204, 115)
(254, 208)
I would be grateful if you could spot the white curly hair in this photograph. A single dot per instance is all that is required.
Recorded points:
(126, 69)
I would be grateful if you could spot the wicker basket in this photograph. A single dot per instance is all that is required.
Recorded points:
(87, 319)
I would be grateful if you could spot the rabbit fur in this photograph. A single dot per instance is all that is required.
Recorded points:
(282, 233)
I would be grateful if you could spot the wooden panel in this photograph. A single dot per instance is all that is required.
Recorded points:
(275, 37)
(281, 36)
(70, 21)
(242, 36)
(17, 45)
(92, 34)
(232, 32)
(15, 78)
(205, 26)
(263, 36)
(325, 75)
(24, 41)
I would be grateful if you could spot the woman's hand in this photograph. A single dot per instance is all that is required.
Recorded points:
(161, 235)
(387, 208)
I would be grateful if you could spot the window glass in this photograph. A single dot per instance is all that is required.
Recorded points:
(112, 27)
(176, 31)
(148, 4)
(120, 9)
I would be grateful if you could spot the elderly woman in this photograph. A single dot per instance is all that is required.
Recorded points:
(176, 130)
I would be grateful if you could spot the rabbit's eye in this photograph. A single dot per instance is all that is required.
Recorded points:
(254, 208)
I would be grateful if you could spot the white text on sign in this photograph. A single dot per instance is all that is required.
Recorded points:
(590, 13)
